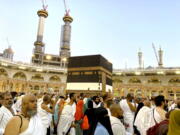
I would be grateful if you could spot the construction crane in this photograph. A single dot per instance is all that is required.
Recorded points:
(44, 4)
(7, 40)
(155, 52)
(66, 8)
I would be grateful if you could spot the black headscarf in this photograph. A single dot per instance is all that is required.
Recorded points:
(101, 116)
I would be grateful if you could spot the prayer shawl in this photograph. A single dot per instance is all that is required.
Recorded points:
(35, 127)
(174, 123)
(128, 115)
(5, 116)
(141, 121)
(66, 118)
(117, 127)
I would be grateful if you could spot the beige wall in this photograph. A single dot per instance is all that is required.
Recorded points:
(145, 88)
(19, 80)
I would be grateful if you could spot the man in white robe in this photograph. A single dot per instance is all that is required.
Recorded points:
(141, 121)
(117, 127)
(45, 112)
(17, 105)
(28, 122)
(128, 113)
(6, 112)
(66, 118)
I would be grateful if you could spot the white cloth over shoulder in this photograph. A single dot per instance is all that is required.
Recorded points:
(66, 119)
(35, 127)
(154, 114)
(117, 127)
(128, 115)
(46, 117)
(5, 116)
(17, 105)
(142, 120)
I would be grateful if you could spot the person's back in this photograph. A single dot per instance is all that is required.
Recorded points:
(116, 113)
(128, 112)
(141, 121)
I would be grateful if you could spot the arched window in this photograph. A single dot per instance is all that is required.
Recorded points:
(19, 75)
(36, 87)
(174, 80)
(3, 73)
(37, 77)
(118, 81)
(154, 80)
(134, 80)
(54, 78)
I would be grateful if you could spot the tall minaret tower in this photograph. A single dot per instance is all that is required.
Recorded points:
(65, 39)
(140, 59)
(160, 52)
(38, 52)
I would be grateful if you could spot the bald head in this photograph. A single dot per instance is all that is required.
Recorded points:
(27, 98)
(116, 111)
(29, 105)
(147, 103)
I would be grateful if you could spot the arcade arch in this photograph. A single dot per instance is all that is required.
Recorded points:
(19, 76)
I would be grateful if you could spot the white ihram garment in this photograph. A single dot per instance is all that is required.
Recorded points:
(66, 118)
(46, 118)
(5, 116)
(17, 105)
(117, 127)
(154, 114)
(35, 127)
(142, 120)
(128, 115)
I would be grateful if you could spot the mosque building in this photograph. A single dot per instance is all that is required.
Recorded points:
(59, 73)
(148, 82)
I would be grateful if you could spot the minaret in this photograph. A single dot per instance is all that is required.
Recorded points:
(140, 59)
(160, 58)
(38, 52)
(65, 39)
(8, 53)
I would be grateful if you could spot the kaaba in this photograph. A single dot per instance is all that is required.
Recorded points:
(89, 74)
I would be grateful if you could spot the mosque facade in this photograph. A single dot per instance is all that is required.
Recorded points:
(147, 82)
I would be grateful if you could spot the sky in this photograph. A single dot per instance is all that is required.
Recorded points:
(115, 29)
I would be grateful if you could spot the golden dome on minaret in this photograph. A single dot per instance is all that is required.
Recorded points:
(67, 18)
(38, 43)
(43, 13)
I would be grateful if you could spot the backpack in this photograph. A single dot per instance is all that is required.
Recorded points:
(85, 123)
(152, 130)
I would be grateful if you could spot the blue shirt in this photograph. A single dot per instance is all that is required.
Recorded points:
(100, 130)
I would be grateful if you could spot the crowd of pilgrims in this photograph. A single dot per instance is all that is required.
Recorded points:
(80, 114)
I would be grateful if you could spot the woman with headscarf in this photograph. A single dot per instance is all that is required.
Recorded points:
(79, 117)
(90, 115)
(102, 125)
(174, 123)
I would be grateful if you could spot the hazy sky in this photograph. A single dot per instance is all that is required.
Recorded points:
(114, 28)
